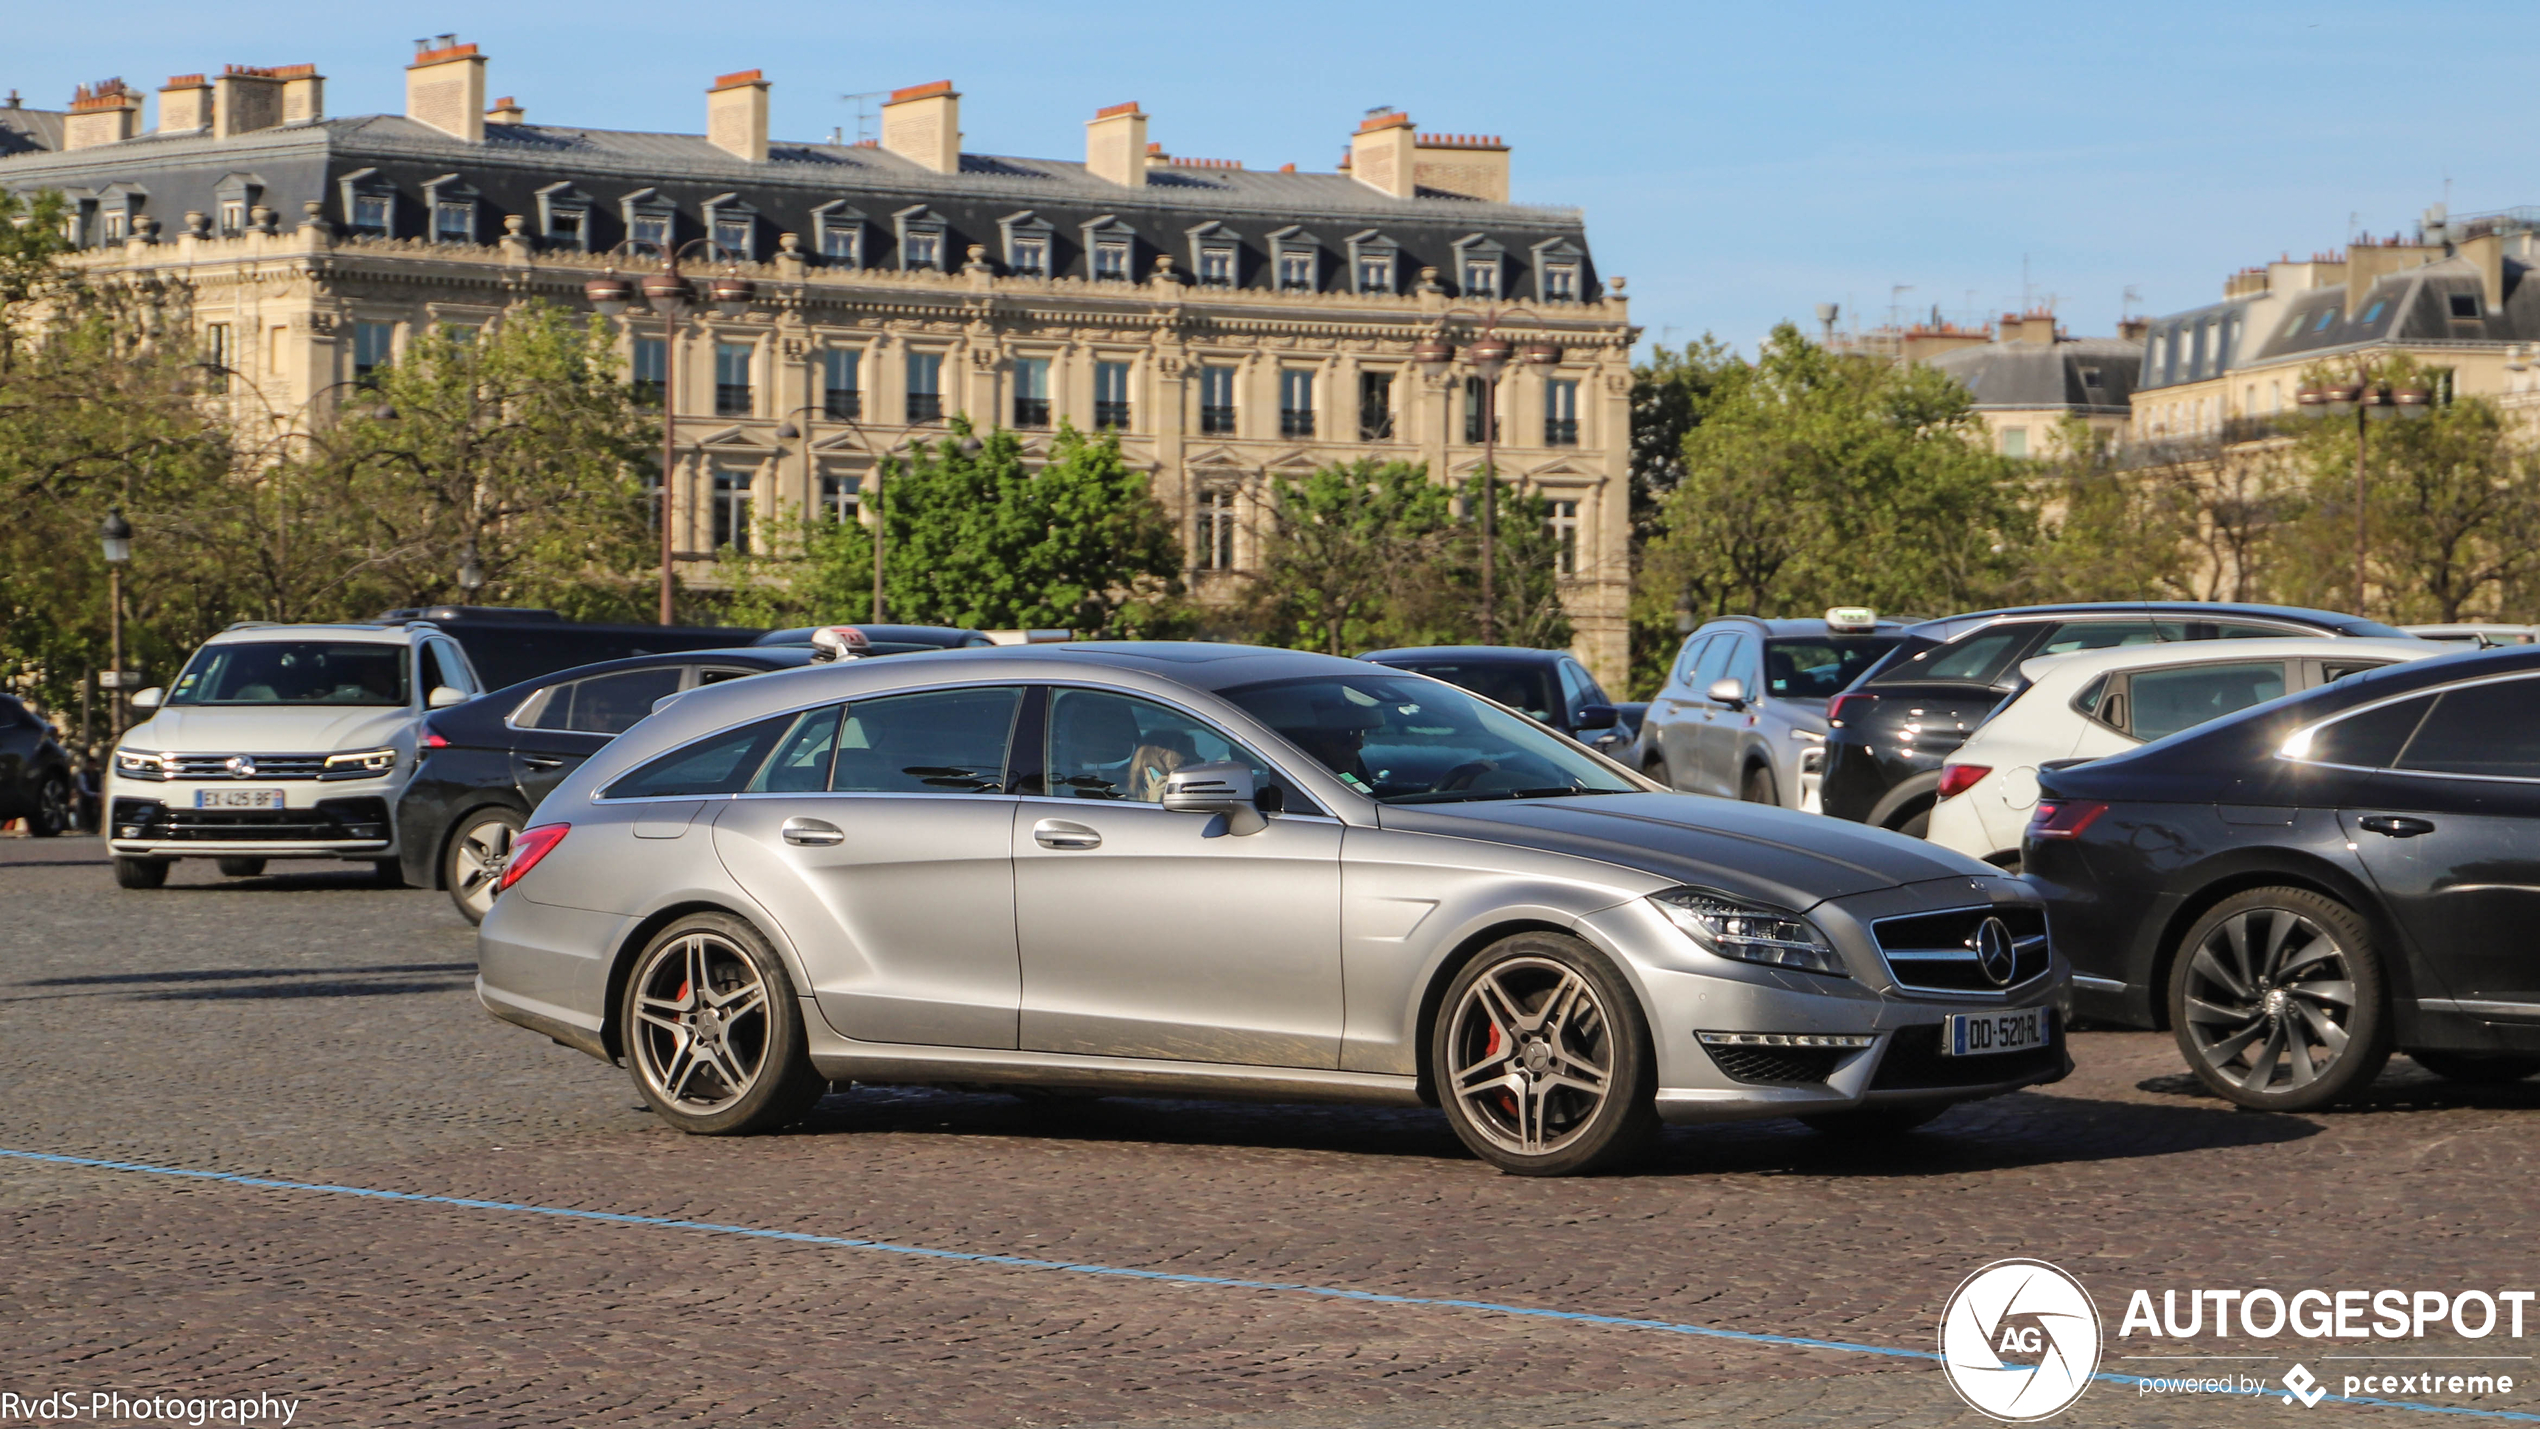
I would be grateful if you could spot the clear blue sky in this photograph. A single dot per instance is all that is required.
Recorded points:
(1739, 164)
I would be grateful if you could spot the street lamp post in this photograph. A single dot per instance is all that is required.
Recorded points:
(2370, 400)
(116, 537)
(670, 295)
(471, 575)
(1488, 354)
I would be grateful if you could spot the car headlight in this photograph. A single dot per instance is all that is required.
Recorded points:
(140, 764)
(1749, 932)
(360, 764)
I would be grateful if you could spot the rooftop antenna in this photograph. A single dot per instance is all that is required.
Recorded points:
(863, 115)
(1895, 292)
(2125, 303)
(2024, 292)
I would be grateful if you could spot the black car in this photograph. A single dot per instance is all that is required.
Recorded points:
(1549, 686)
(2302, 888)
(35, 772)
(511, 644)
(890, 639)
(487, 763)
(1889, 733)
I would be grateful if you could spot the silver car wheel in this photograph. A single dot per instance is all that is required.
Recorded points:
(477, 857)
(1531, 1055)
(2269, 990)
(702, 1031)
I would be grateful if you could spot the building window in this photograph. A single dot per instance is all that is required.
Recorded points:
(1476, 397)
(652, 498)
(732, 379)
(1213, 544)
(1375, 406)
(1032, 391)
(1296, 271)
(1217, 401)
(841, 497)
(1111, 262)
(1375, 272)
(216, 357)
(1111, 396)
(233, 216)
(838, 244)
(650, 228)
(733, 233)
(564, 226)
(1032, 257)
(2464, 305)
(1481, 277)
(371, 344)
(1561, 282)
(454, 222)
(370, 213)
(2090, 377)
(2015, 441)
(842, 384)
(2328, 318)
(1296, 402)
(925, 387)
(651, 369)
(732, 505)
(118, 224)
(1217, 267)
(1564, 524)
(1560, 412)
(922, 250)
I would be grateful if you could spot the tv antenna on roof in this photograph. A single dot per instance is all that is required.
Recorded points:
(863, 114)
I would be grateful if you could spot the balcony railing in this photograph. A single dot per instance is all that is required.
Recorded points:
(843, 403)
(1295, 423)
(1560, 431)
(1111, 414)
(731, 399)
(1217, 421)
(1031, 411)
(925, 407)
(1375, 426)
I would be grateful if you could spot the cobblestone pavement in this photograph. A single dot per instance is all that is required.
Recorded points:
(304, 1027)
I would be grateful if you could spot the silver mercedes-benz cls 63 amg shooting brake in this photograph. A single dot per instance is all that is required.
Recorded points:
(1217, 870)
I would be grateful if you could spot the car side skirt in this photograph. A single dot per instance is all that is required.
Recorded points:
(841, 1061)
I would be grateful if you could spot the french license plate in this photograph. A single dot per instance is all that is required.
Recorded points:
(1974, 1034)
(238, 798)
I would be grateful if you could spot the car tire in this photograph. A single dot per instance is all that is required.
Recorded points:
(387, 873)
(141, 872)
(1916, 824)
(2478, 1069)
(1655, 767)
(1883, 1120)
(2276, 1000)
(472, 864)
(713, 1033)
(1758, 786)
(52, 813)
(1542, 1060)
(239, 867)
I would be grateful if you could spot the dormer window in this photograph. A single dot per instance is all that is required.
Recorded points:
(453, 205)
(370, 204)
(923, 250)
(1110, 250)
(1480, 267)
(1481, 277)
(234, 201)
(921, 235)
(1559, 266)
(1111, 262)
(1213, 259)
(564, 216)
(649, 219)
(1296, 260)
(1027, 244)
(652, 228)
(733, 225)
(1373, 262)
(1561, 282)
(118, 225)
(1296, 272)
(233, 217)
(837, 234)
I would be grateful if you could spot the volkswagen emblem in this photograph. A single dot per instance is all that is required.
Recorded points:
(1994, 952)
(240, 766)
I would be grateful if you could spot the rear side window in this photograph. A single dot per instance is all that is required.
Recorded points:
(2167, 701)
(445, 667)
(939, 742)
(1523, 687)
(2099, 635)
(1691, 659)
(2483, 730)
(1979, 658)
(718, 764)
(2370, 740)
(1819, 668)
(605, 704)
(1715, 660)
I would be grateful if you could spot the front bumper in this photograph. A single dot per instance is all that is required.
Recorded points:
(346, 819)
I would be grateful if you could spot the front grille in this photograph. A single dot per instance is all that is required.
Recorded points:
(1786, 1066)
(268, 766)
(1914, 1061)
(330, 821)
(1936, 952)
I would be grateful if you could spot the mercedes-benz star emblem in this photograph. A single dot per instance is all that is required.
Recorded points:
(240, 766)
(1995, 952)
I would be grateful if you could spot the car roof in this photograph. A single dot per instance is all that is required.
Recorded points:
(2081, 665)
(781, 657)
(1780, 627)
(948, 637)
(1469, 654)
(368, 632)
(1949, 627)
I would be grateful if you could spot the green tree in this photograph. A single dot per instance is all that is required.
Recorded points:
(1358, 555)
(1669, 395)
(2107, 531)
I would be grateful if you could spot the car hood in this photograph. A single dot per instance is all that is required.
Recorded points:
(285, 729)
(1796, 860)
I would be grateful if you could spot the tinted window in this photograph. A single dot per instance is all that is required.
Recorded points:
(717, 674)
(802, 759)
(294, 672)
(1819, 667)
(2370, 740)
(1524, 687)
(718, 764)
(1412, 742)
(446, 668)
(2167, 701)
(1978, 658)
(2099, 635)
(939, 742)
(1577, 690)
(1106, 746)
(2486, 730)
(606, 704)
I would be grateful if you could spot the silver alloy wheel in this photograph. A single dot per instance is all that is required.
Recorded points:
(476, 863)
(1531, 1055)
(52, 809)
(702, 1030)
(2268, 991)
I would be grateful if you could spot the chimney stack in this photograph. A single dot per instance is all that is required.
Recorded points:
(303, 94)
(506, 110)
(445, 89)
(736, 115)
(185, 104)
(245, 99)
(923, 125)
(1381, 153)
(1116, 145)
(102, 113)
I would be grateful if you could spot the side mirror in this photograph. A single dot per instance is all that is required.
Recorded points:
(1598, 717)
(1728, 690)
(444, 696)
(149, 699)
(1223, 787)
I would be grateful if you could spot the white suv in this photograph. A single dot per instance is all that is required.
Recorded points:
(279, 741)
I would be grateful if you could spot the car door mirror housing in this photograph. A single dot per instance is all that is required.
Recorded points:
(444, 696)
(1220, 787)
(1597, 717)
(1728, 690)
(149, 699)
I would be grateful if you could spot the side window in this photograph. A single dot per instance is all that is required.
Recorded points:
(938, 742)
(718, 764)
(2167, 701)
(1715, 659)
(717, 674)
(607, 704)
(1978, 658)
(1740, 665)
(1576, 689)
(2484, 730)
(2099, 635)
(447, 668)
(2370, 740)
(2332, 671)
(1107, 746)
(1691, 659)
(803, 757)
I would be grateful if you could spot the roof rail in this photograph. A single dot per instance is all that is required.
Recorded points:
(248, 625)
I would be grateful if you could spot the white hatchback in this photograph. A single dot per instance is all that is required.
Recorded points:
(2100, 702)
(279, 741)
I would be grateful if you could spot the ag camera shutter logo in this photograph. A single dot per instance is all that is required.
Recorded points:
(2020, 1340)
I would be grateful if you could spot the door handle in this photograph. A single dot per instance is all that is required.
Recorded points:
(811, 833)
(542, 761)
(1060, 833)
(2396, 826)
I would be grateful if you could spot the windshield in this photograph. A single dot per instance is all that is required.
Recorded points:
(1407, 740)
(1819, 667)
(1521, 687)
(294, 672)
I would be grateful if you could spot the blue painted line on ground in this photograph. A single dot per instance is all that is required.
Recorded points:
(1175, 1277)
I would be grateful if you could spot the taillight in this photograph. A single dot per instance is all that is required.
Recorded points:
(1956, 779)
(1844, 707)
(434, 741)
(2063, 818)
(529, 846)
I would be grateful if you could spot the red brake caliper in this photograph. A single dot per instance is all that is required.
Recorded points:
(1507, 1099)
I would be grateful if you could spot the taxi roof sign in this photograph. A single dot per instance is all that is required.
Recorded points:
(840, 642)
(1852, 619)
